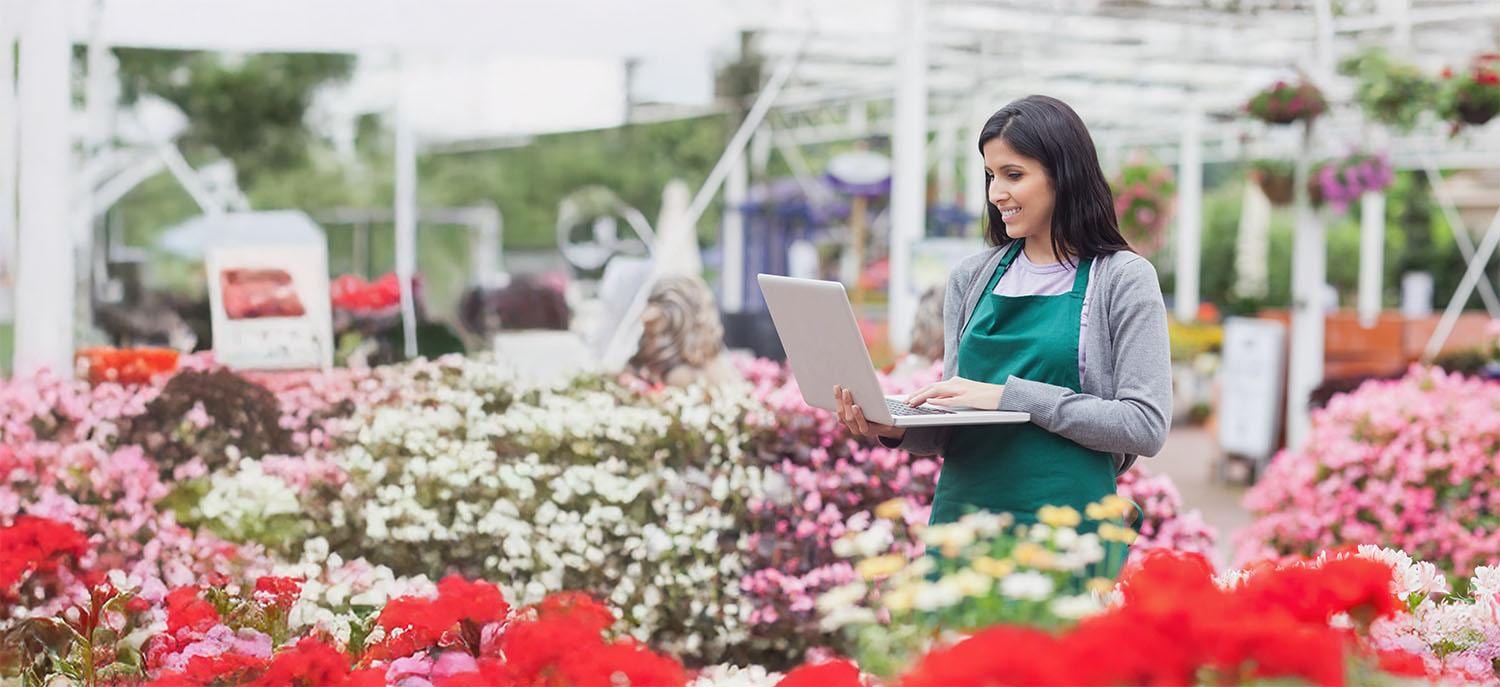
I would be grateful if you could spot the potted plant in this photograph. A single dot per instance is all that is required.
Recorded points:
(1473, 95)
(1389, 92)
(1341, 182)
(1274, 178)
(1284, 103)
(1144, 197)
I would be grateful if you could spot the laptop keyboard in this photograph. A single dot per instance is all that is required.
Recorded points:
(899, 409)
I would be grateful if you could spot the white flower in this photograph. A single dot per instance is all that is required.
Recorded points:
(968, 582)
(1075, 607)
(1486, 582)
(1424, 578)
(932, 597)
(1027, 585)
(841, 596)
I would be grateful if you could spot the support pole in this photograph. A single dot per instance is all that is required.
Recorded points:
(736, 191)
(909, 178)
(406, 214)
(1309, 272)
(947, 162)
(7, 165)
(976, 195)
(45, 270)
(1472, 277)
(1460, 232)
(1189, 214)
(1371, 255)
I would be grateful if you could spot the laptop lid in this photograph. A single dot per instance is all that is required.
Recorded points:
(823, 344)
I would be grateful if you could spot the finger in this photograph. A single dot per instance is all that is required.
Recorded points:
(920, 396)
(859, 418)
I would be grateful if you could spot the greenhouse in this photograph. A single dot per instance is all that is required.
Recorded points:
(460, 343)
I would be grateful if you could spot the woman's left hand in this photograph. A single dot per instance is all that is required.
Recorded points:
(958, 391)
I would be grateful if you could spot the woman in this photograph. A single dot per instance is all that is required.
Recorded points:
(1057, 319)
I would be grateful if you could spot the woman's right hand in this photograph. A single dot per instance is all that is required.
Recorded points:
(853, 417)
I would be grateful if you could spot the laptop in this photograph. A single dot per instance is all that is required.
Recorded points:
(822, 341)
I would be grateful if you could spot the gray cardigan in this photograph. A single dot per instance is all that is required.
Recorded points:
(1125, 405)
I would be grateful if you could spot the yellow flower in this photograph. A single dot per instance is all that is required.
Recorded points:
(1111, 507)
(1112, 532)
(993, 567)
(880, 566)
(891, 510)
(1058, 516)
(901, 598)
(1032, 555)
(1101, 585)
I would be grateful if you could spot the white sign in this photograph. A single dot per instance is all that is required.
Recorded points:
(1250, 383)
(271, 307)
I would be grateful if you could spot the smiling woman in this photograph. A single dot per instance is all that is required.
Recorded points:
(1057, 319)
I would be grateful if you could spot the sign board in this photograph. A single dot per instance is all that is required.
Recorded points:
(271, 307)
(1251, 374)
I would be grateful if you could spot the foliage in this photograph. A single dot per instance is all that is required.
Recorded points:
(249, 108)
(1390, 92)
(1144, 193)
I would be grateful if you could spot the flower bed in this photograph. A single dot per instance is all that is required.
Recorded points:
(705, 521)
(1368, 617)
(1407, 463)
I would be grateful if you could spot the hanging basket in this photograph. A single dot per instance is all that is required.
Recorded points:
(1476, 114)
(1277, 187)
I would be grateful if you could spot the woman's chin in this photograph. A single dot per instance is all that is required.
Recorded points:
(1015, 232)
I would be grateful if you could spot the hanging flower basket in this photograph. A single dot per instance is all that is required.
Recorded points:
(1472, 97)
(1285, 103)
(1389, 92)
(1341, 182)
(1144, 200)
(1275, 180)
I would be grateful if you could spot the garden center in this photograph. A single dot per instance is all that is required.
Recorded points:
(462, 343)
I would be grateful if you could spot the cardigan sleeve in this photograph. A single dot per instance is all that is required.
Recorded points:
(1136, 420)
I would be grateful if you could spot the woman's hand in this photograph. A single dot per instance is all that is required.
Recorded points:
(958, 391)
(853, 417)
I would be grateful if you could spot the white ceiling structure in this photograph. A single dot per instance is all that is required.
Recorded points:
(1168, 75)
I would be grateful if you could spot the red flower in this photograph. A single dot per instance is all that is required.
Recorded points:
(478, 602)
(636, 664)
(280, 592)
(576, 607)
(841, 673)
(309, 663)
(534, 649)
(1002, 654)
(33, 545)
(1399, 662)
(185, 609)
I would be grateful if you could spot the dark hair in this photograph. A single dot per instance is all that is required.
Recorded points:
(1048, 131)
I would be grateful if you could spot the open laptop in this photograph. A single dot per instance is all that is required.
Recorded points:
(817, 328)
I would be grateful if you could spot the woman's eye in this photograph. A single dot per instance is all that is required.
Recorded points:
(1014, 176)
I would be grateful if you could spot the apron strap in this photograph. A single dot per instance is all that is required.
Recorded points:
(1081, 279)
(1010, 256)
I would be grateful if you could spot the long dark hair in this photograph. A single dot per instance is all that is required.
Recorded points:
(1047, 130)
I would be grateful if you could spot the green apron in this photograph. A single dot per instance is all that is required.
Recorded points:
(1018, 468)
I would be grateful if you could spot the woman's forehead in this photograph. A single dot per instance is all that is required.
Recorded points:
(998, 153)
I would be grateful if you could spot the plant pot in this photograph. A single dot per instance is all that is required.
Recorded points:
(1280, 118)
(1277, 187)
(1476, 114)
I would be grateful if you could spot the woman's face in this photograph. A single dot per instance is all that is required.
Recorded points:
(1020, 189)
